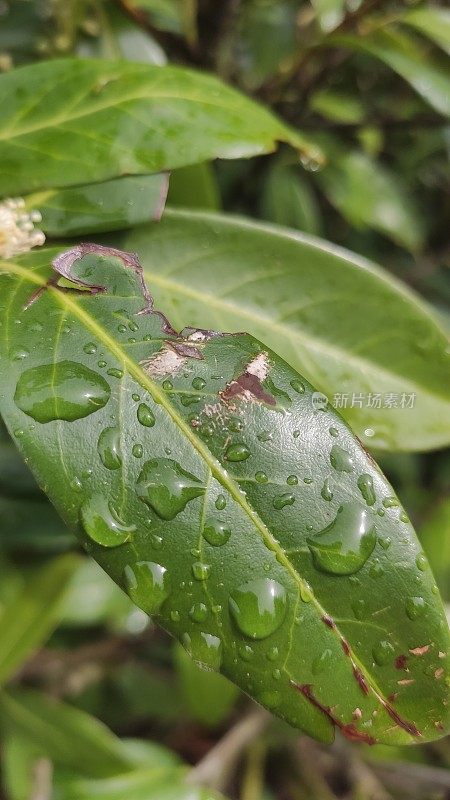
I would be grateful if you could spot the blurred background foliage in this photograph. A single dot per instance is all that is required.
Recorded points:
(370, 83)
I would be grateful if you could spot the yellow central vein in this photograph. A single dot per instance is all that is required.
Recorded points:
(217, 470)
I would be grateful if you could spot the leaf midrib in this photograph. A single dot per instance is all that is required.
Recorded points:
(221, 475)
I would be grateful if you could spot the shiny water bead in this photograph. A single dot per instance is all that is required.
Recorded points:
(62, 391)
(258, 607)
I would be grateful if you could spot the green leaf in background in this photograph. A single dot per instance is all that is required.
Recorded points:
(165, 15)
(119, 36)
(93, 598)
(288, 199)
(435, 538)
(303, 297)
(213, 484)
(98, 207)
(208, 696)
(194, 187)
(86, 759)
(28, 521)
(431, 21)
(29, 618)
(337, 106)
(140, 785)
(370, 196)
(19, 761)
(265, 40)
(405, 56)
(69, 737)
(73, 122)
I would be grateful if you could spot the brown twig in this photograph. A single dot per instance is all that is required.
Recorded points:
(213, 770)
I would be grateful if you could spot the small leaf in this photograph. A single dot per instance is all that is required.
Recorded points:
(99, 207)
(403, 54)
(29, 618)
(288, 199)
(370, 196)
(239, 480)
(72, 122)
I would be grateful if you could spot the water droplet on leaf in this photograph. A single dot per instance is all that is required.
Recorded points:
(216, 532)
(282, 500)
(365, 486)
(345, 545)
(109, 448)
(382, 652)
(415, 607)
(204, 648)
(65, 391)
(237, 452)
(200, 570)
(148, 585)
(166, 487)
(259, 607)
(145, 416)
(340, 459)
(102, 524)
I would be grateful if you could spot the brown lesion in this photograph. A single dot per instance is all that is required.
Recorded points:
(63, 268)
(249, 384)
(400, 663)
(349, 730)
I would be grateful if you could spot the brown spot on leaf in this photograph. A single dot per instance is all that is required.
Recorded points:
(439, 673)
(401, 662)
(420, 651)
(248, 385)
(361, 679)
(410, 727)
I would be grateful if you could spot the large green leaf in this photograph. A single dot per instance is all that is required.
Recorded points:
(30, 617)
(343, 322)
(72, 122)
(205, 475)
(98, 207)
(428, 76)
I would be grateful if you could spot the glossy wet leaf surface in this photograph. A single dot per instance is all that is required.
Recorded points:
(337, 318)
(308, 587)
(72, 122)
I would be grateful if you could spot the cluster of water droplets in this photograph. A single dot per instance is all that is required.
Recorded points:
(69, 391)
